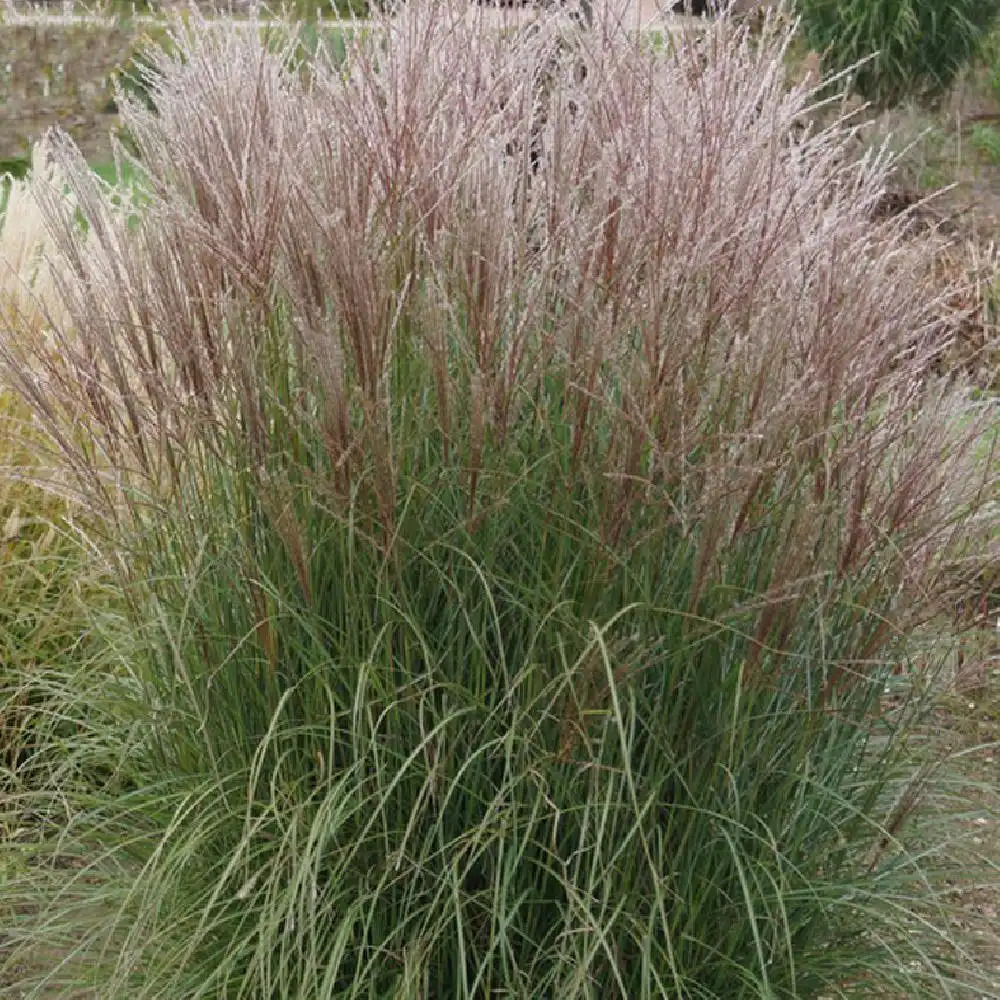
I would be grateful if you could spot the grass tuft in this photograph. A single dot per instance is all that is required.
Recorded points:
(525, 464)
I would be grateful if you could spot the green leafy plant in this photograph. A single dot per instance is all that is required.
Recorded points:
(16, 168)
(516, 558)
(330, 9)
(986, 138)
(905, 47)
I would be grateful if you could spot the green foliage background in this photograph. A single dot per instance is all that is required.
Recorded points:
(909, 47)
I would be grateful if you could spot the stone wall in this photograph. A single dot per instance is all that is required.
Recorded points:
(56, 67)
(59, 74)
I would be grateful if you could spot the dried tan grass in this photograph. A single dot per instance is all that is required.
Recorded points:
(27, 283)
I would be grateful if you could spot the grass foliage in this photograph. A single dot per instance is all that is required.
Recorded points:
(50, 584)
(986, 138)
(40, 567)
(906, 48)
(522, 464)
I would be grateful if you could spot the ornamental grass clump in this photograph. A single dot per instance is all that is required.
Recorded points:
(523, 460)
(26, 282)
(899, 48)
(49, 585)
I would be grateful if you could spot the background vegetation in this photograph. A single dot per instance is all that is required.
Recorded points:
(908, 48)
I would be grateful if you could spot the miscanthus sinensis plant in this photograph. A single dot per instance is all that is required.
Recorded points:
(26, 280)
(49, 584)
(523, 458)
(911, 49)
